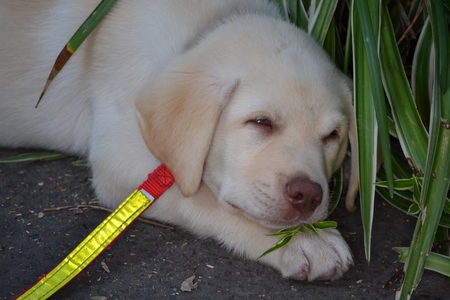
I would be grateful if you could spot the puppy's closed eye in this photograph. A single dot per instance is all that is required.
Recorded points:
(264, 122)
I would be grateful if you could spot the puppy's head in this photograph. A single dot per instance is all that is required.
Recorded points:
(258, 112)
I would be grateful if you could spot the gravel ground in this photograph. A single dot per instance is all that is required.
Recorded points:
(149, 262)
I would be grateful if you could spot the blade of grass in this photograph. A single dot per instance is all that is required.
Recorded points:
(348, 48)
(294, 12)
(441, 43)
(287, 234)
(369, 30)
(80, 163)
(435, 262)
(366, 129)
(338, 184)
(399, 184)
(302, 16)
(324, 225)
(421, 75)
(44, 155)
(281, 243)
(77, 39)
(320, 20)
(402, 200)
(410, 130)
(329, 44)
(392, 130)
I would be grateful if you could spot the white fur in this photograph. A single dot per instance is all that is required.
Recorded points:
(235, 59)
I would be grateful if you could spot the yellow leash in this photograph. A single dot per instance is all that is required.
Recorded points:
(110, 229)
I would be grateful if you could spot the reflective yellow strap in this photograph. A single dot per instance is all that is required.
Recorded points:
(91, 247)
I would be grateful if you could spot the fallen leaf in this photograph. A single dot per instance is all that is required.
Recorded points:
(188, 285)
(105, 267)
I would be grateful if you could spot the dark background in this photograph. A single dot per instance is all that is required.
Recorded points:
(149, 262)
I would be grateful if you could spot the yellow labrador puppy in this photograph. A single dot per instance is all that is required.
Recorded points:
(245, 109)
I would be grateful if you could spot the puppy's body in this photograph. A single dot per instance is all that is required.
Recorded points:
(245, 110)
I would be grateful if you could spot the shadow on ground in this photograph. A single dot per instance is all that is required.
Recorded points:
(149, 262)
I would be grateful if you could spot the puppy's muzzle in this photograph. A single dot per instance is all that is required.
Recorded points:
(304, 195)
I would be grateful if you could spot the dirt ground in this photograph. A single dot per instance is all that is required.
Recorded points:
(149, 262)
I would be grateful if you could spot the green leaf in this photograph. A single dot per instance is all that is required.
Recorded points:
(402, 200)
(336, 193)
(421, 75)
(409, 127)
(366, 129)
(45, 155)
(348, 47)
(325, 224)
(283, 242)
(437, 171)
(399, 184)
(295, 12)
(77, 39)
(320, 19)
(392, 129)
(311, 227)
(414, 209)
(417, 191)
(80, 163)
(402, 204)
(434, 262)
(287, 234)
(441, 38)
(330, 41)
(369, 22)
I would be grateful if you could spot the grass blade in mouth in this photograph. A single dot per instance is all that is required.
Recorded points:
(286, 235)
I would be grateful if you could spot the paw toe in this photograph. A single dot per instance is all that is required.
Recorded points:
(330, 274)
(303, 274)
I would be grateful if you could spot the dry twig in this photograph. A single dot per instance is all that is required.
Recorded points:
(412, 23)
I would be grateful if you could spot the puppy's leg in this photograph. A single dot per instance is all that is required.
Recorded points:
(309, 256)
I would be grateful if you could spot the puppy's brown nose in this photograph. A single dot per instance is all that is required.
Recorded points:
(304, 195)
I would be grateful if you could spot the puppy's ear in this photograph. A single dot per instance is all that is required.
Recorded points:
(178, 115)
(353, 185)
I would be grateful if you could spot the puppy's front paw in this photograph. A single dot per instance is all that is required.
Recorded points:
(322, 256)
